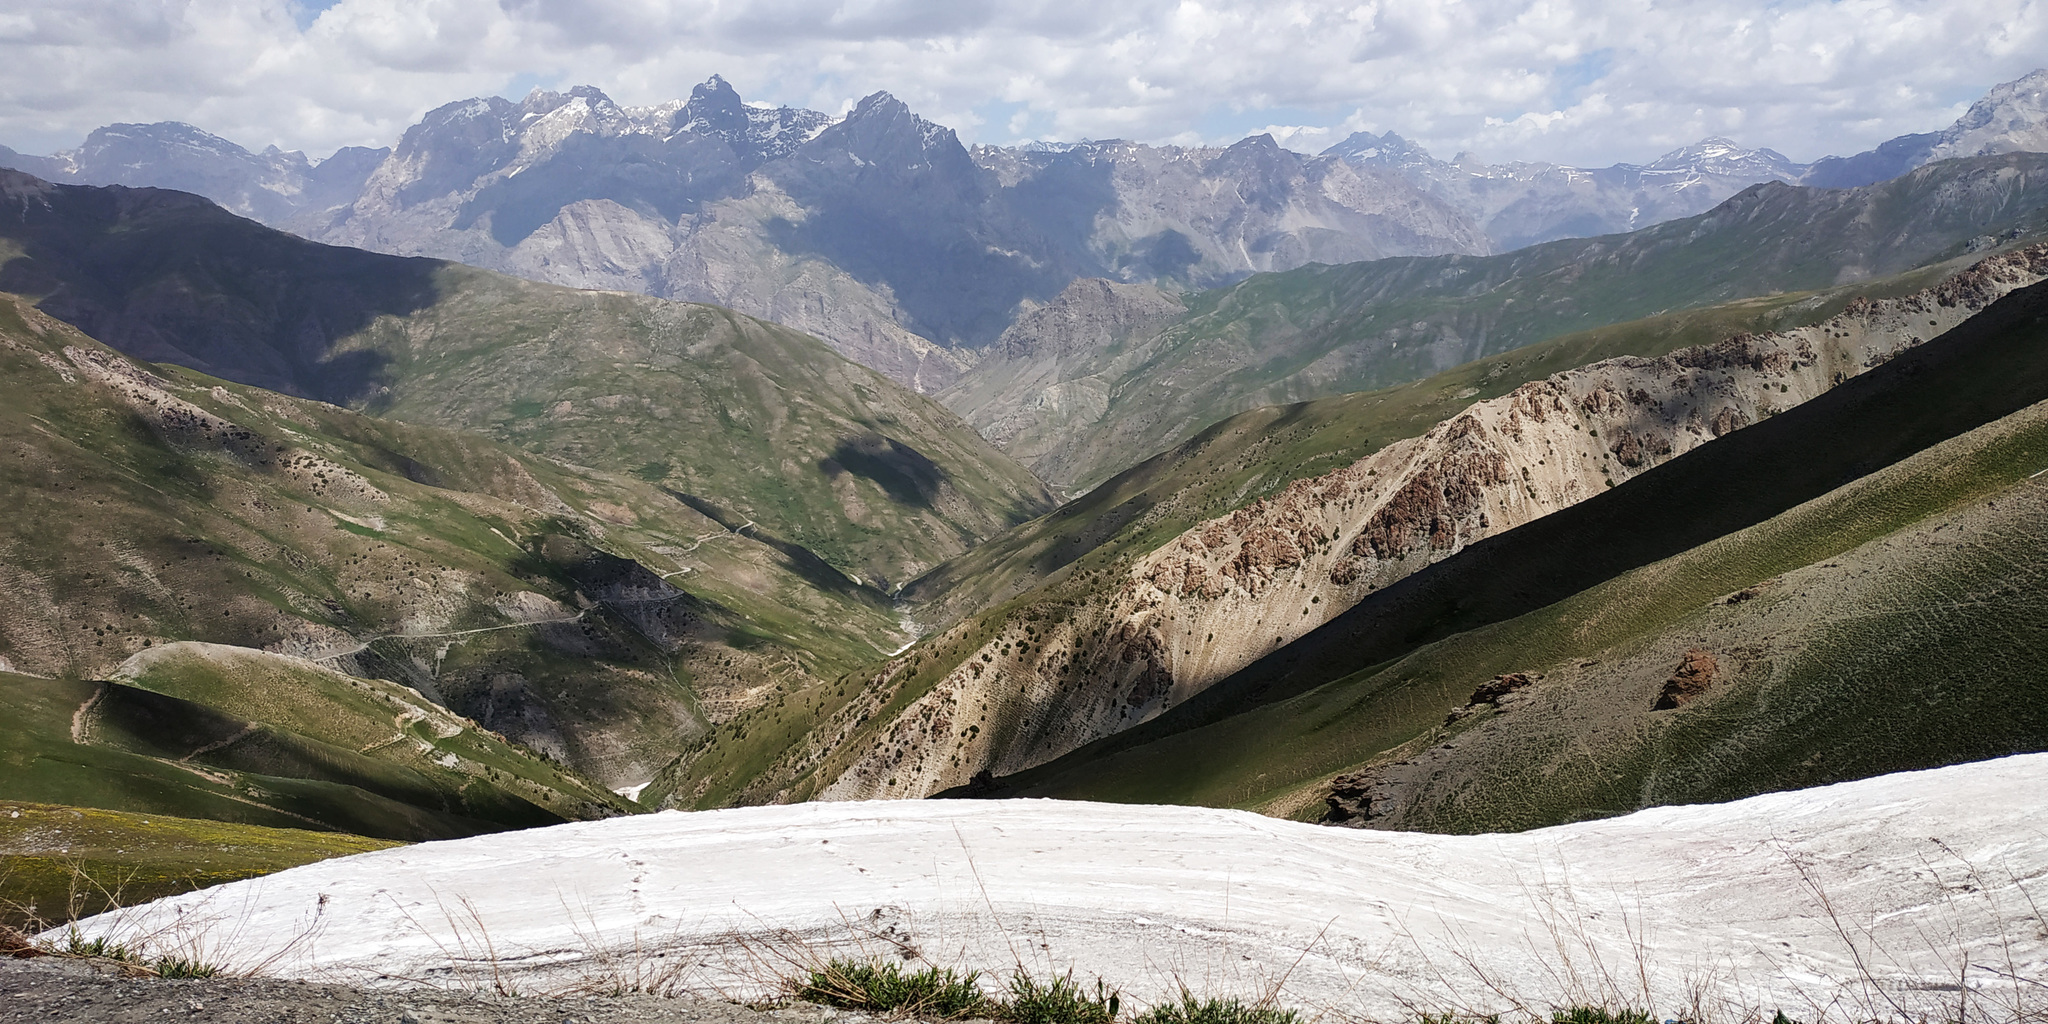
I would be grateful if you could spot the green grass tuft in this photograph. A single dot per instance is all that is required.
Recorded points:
(99, 947)
(182, 967)
(1601, 1015)
(1191, 1010)
(1059, 1001)
(879, 986)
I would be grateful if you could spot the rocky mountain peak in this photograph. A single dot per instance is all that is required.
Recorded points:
(879, 104)
(1724, 156)
(2011, 117)
(882, 134)
(714, 108)
(489, 115)
(1261, 168)
(140, 141)
(1388, 150)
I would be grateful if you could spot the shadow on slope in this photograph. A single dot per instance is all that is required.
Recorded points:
(170, 277)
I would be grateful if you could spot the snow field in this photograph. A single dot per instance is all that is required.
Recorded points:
(1891, 897)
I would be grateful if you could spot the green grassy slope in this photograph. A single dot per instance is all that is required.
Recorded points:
(1256, 453)
(156, 505)
(1375, 683)
(118, 747)
(62, 863)
(1322, 330)
(753, 421)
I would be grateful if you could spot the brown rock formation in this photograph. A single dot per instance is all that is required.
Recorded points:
(1692, 678)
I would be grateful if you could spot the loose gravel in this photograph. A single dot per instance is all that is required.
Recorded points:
(50, 989)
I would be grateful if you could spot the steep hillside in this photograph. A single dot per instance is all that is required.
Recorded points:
(875, 480)
(1327, 330)
(593, 618)
(1143, 606)
(1026, 401)
(1782, 607)
(1258, 453)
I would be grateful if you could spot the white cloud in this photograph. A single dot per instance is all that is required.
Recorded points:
(1584, 81)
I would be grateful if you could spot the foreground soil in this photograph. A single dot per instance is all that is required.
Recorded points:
(49, 989)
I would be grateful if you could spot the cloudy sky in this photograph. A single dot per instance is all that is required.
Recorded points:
(1578, 81)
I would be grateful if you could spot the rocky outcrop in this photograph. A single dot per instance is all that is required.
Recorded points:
(1691, 679)
(1350, 800)
(1228, 591)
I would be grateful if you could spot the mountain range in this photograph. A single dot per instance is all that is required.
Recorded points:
(1076, 406)
(1520, 204)
(881, 234)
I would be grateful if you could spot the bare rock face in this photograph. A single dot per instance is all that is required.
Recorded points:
(1350, 800)
(1692, 678)
(1033, 385)
(1231, 590)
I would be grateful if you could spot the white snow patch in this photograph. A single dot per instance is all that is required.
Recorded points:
(1923, 872)
(633, 792)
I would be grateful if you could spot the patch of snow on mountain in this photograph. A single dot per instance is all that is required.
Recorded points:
(778, 131)
(1866, 898)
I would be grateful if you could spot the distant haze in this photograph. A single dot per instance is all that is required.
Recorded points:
(1585, 82)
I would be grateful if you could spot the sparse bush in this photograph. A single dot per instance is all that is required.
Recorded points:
(1060, 1001)
(98, 947)
(880, 986)
(182, 967)
(1600, 1015)
(1191, 1010)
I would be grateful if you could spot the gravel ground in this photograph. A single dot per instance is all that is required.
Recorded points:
(48, 989)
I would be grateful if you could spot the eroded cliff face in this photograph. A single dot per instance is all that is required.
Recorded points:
(1060, 674)
(1056, 366)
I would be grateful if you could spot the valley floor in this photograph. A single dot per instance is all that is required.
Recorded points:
(1904, 896)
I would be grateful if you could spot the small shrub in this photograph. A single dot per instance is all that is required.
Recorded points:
(883, 987)
(1600, 1015)
(1060, 1001)
(181, 967)
(96, 948)
(1191, 1010)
